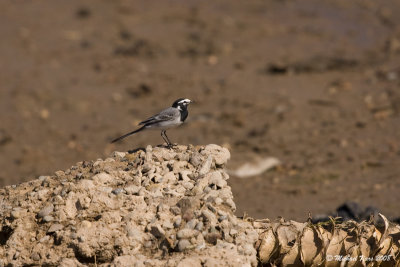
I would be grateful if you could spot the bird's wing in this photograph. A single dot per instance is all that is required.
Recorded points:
(165, 115)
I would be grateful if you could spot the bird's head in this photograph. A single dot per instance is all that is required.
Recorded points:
(181, 103)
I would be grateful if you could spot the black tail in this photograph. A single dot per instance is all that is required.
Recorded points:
(128, 134)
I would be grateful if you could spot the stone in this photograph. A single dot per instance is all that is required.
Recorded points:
(157, 231)
(186, 233)
(191, 224)
(119, 155)
(16, 213)
(146, 168)
(103, 178)
(199, 226)
(167, 225)
(44, 239)
(86, 224)
(169, 177)
(221, 155)
(188, 185)
(218, 201)
(35, 256)
(86, 184)
(184, 175)
(49, 208)
(183, 245)
(117, 191)
(48, 218)
(132, 189)
(175, 210)
(196, 159)
(205, 168)
(55, 227)
(177, 221)
(209, 216)
(217, 180)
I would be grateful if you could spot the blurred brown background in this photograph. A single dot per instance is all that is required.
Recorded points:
(313, 83)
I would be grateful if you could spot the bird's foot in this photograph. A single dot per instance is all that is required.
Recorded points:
(171, 146)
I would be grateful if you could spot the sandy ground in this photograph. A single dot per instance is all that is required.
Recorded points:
(314, 84)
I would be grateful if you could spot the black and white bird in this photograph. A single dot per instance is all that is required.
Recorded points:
(167, 118)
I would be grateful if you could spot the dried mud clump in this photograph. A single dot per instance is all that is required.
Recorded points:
(153, 207)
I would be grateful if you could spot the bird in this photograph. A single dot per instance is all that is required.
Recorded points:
(168, 118)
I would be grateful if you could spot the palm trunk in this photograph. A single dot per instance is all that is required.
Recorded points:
(289, 243)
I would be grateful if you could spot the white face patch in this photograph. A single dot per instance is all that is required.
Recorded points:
(185, 101)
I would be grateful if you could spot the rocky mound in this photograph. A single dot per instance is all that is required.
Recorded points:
(158, 207)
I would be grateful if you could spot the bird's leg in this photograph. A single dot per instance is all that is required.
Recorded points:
(165, 137)
(169, 142)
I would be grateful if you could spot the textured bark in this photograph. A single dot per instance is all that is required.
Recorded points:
(289, 243)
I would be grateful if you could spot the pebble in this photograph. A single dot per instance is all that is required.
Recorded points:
(158, 178)
(175, 210)
(205, 168)
(146, 168)
(209, 216)
(218, 201)
(35, 256)
(184, 157)
(231, 204)
(216, 179)
(16, 213)
(207, 189)
(147, 244)
(157, 231)
(170, 177)
(55, 227)
(117, 191)
(86, 224)
(86, 184)
(132, 189)
(199, 226)
(42, 194)
(44, 239)
(212, 237)
(46, 210)
(186, 233)
(48, 218)
(117, 154)
(191, 224)
(196, 159)
(248, 249)
(221, 155)
(222, 218)
(103, 178)
(183, 245)
(42, 178)
(162, 207)
(178, 222)
(59, 173)
(168, 225)
(187, 185)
